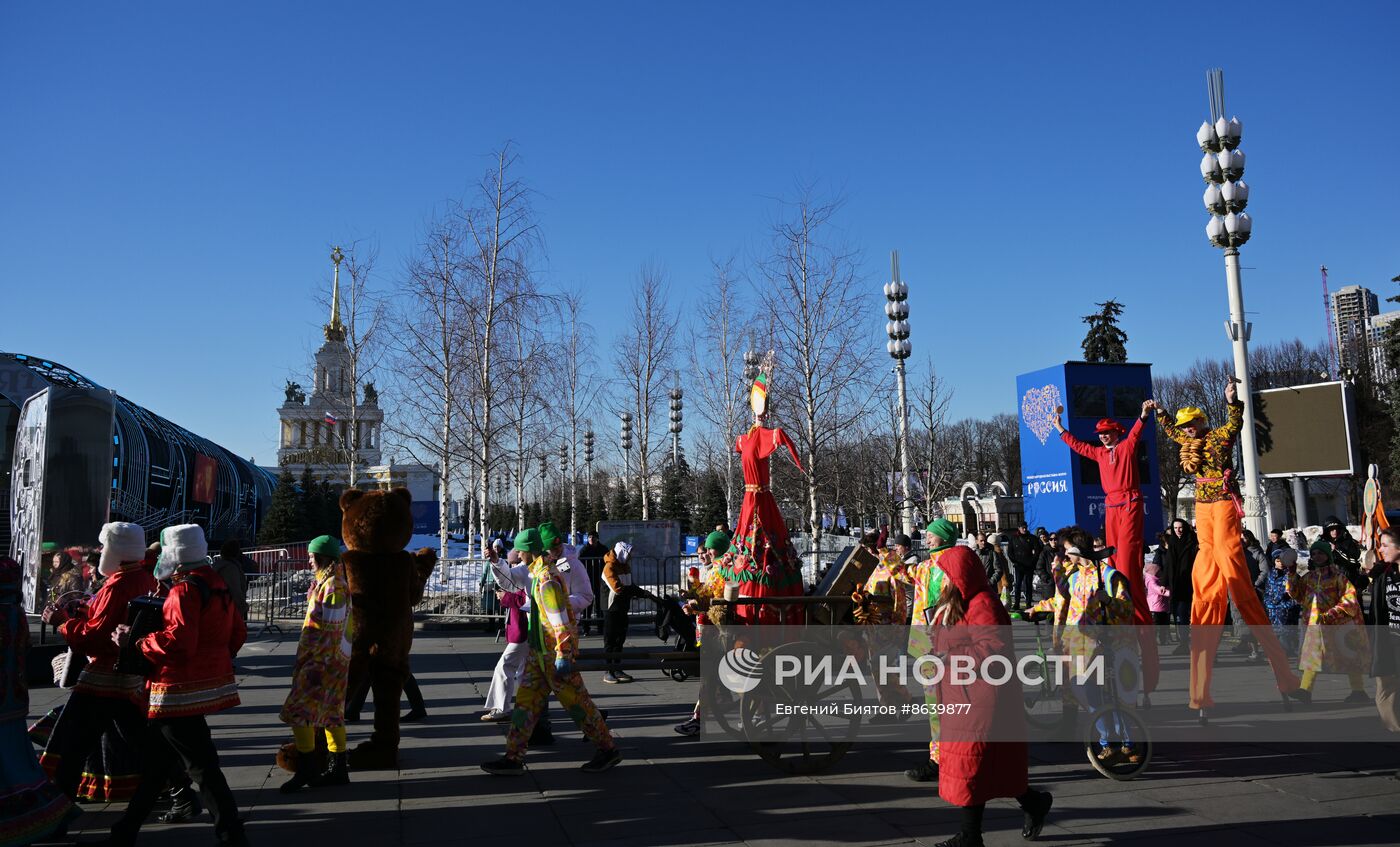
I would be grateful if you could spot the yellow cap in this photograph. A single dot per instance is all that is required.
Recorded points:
(1188, 414)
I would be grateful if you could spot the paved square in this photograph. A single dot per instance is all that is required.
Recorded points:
(694, 791)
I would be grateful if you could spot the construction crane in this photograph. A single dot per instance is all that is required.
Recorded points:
(1334, 364)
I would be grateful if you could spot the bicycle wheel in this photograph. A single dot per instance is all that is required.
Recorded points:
(1045, 703)
(1129, 749)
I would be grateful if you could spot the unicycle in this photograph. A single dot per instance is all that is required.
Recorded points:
(1045, 703)
(1116, 742)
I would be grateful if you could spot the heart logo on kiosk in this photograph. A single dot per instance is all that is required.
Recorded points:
(1038, 410)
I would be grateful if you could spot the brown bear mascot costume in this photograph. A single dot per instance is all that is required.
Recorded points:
(386, 582)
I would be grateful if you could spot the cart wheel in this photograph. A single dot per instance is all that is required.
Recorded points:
(1121, 726)
(799, 744)
(678, 675)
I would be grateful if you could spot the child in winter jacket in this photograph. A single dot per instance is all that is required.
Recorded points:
(1282, 608)
(1159, 602)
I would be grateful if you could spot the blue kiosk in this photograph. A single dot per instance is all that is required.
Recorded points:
(1059, 486)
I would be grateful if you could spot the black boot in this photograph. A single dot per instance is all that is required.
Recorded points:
(336, 773)
(184, 806)
(305, 773)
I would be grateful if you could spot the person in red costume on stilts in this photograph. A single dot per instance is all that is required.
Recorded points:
(763, 561)
(1116, 455)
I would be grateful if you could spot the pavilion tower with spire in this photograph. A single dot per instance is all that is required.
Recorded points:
(338, 416)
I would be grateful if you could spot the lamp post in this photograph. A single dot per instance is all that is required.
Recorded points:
(625, 439)
(676, 424)
(899, 348)
(588, 460)
(1222, 168)
(569, 481)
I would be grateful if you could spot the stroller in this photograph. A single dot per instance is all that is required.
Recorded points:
(674, 625)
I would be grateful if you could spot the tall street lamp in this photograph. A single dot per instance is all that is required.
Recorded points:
(625, 439)
(1222, 168)
(676, 425)
(899, 348)
(588, 460)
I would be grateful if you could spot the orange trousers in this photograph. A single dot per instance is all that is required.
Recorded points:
(1220, 573)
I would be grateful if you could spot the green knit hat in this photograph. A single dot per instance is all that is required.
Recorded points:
(549, 536)
(717, 541)
(943, 528)
(1322, 546)
(324, 545)
(528, 541)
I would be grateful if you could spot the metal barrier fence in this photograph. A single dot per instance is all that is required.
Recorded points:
(457, 589)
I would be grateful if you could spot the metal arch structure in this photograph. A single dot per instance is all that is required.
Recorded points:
(154, 462)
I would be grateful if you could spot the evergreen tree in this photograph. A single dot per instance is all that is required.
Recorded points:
(621, 509)
(585, 517)
(282, 523)
(309, 504)
(598, 510)
(329, 511)
(675, 494)
(713, 510)
(1105, 341)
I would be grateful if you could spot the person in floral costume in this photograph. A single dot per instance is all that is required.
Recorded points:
(1096, 604)
(317, 698)
(706, 585)
(553, 648)
(1334, 636)
(940, 536)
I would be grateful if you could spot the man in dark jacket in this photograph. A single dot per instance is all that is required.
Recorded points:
(1023, 549)
(993, 560)
(1385, 634)
(1179, 555)
(1346, 552)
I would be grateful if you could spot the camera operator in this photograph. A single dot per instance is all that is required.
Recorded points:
(191, 676)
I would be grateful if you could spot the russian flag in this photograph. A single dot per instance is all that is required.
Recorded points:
(332, 419)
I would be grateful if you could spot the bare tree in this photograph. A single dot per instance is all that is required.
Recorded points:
(643, 359)
(576, 385)
(431, 359)
(501, 234)
(365, 316)
(716, 357)
(930, 409)
(819, 320)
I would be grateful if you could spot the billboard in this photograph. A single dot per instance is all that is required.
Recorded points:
(1306, 430)
(1059, 487)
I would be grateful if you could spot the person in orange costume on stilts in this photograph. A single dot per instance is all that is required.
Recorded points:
(1219, 572)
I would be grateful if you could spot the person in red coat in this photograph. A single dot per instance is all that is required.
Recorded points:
(1116, 456)
(191, 677)
(104, 698)
(983, 752)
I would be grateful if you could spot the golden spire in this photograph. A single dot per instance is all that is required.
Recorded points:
(335, 330)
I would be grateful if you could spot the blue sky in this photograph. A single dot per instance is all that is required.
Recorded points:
(171, 174)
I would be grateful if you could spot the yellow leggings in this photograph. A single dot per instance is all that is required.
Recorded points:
(305, 737)
(1355, 679)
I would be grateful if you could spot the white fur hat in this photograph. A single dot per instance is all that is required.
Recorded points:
(122, 544)
(184, 545)
(622, 551)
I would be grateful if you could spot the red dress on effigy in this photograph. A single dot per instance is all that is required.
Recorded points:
(763, 561)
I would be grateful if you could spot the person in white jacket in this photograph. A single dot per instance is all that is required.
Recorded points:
(500, 697)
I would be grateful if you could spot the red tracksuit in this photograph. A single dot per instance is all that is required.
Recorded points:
(1118, 473)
